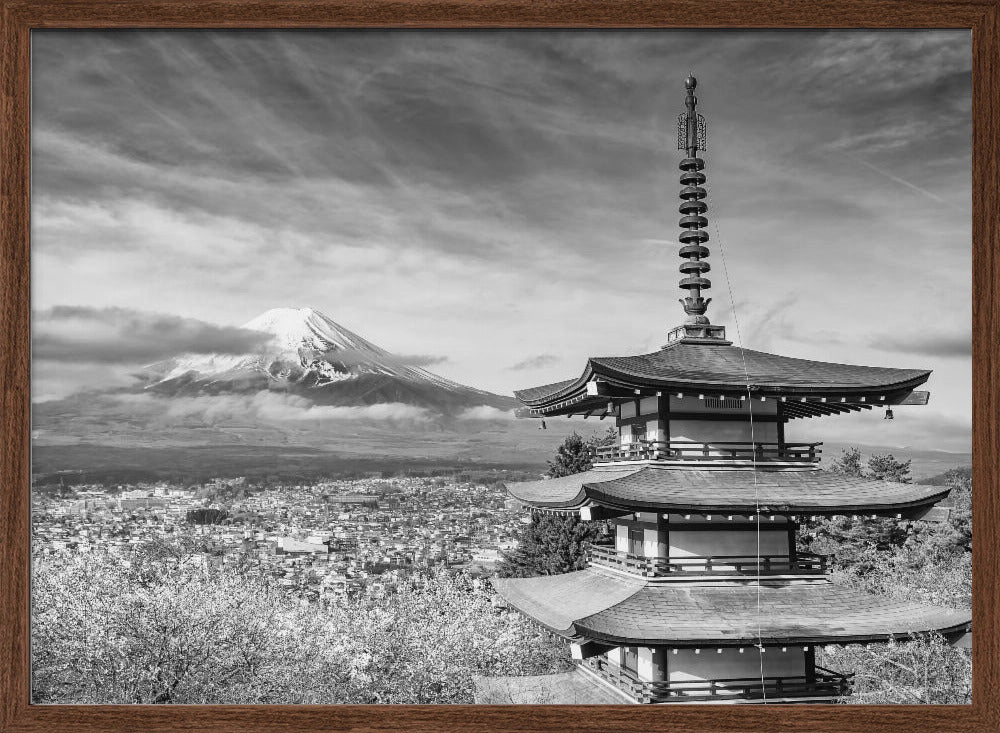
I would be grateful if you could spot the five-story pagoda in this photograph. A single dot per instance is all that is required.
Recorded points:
(702, 596)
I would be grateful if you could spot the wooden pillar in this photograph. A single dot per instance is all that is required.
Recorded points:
(811, 665)
(663, 415)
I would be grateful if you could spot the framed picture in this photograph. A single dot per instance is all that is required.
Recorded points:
(279, 282)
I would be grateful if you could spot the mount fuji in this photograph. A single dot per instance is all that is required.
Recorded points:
(307, 354)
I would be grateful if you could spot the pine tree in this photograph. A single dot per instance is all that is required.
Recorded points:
(553, 544)
(573, 456)
(549, 545)
(887, 468)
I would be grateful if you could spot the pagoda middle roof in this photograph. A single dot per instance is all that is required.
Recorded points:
(683, 365)
(621, 609)
(641, 487)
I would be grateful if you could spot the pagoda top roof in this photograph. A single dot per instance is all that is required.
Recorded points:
(613, 608)
(640, 487)
(720, 367)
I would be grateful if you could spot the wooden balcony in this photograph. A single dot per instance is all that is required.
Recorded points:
(721, 451)
(652, 567)
(825, 684)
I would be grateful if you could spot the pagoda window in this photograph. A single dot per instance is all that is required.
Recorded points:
(636, 538)
(723, 403)
(631, 659)
(638, 432)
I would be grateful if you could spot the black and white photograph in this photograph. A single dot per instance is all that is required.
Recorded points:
(506, 367)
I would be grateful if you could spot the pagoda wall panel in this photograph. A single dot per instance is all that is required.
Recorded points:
(652, 664)
(692, 404)
(700, 543)
(621, 537)
(654, 543)
(687, 665)
(647, 406)
(723, 431)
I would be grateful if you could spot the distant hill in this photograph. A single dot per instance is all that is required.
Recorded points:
(945, 479)
(925, 463)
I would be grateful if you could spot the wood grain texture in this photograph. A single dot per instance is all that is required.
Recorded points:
(19, 17)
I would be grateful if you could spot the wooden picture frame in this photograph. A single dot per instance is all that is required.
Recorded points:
(19, 17)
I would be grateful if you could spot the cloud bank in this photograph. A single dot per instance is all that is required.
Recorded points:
(128, 336)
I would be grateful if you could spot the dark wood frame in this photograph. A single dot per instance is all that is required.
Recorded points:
(20, 16)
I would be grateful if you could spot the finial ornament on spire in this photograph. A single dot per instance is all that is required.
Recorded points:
(691, 137)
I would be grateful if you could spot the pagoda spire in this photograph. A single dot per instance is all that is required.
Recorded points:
(693, 223)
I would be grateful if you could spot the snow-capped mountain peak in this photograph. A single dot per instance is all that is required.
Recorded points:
(309, 353)
(292, 329)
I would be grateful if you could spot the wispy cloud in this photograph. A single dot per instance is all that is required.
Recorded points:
(945, 345)
(535, 362)
(912, 186)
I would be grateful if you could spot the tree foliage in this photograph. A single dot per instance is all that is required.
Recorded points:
(850, 541)
(206, 515)
(114, 629)
(553, 544)
(923, 670)
(573, 456)
(550, 544)
(929, 562)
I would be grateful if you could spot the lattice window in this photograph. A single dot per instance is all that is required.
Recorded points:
(723, 403)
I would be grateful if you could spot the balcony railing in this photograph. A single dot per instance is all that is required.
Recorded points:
(689, 450)
(824, 683)
(801, 564)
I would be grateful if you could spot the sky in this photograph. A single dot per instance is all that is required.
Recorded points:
(505, 202)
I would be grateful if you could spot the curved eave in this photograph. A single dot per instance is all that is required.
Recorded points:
(570, 396)
(680, 490)
(565, 493)
(627, 610)
(759, 387)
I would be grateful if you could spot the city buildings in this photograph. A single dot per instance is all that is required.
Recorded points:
(321, 541)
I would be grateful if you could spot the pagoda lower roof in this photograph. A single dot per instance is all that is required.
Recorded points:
(563, 688)
(618, 609)
(642, 487)
(684, 366)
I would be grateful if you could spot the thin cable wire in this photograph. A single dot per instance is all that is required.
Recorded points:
(753, 441)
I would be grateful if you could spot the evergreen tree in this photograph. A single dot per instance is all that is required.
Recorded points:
(849, 463)
(573, 456)
(206, 515)
(551, 544)
(887, 468)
